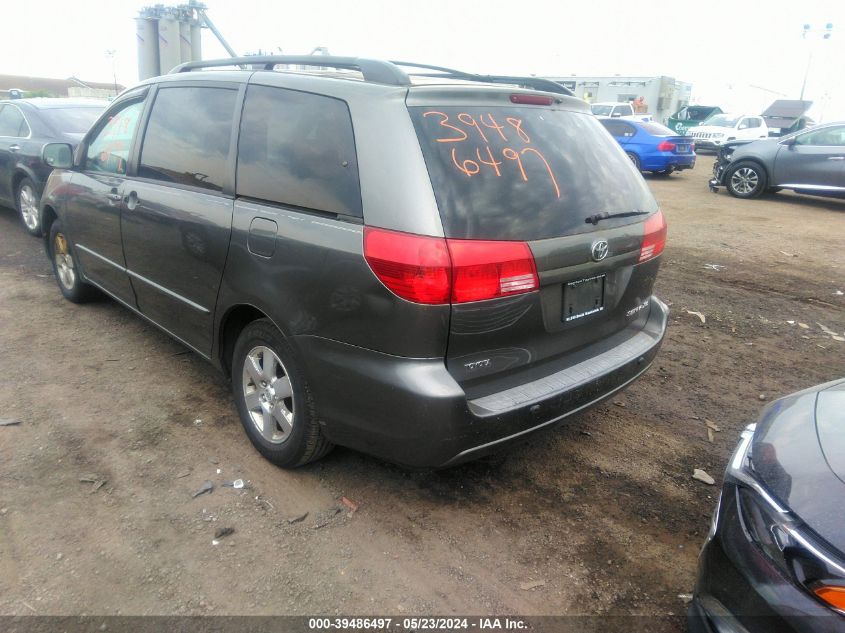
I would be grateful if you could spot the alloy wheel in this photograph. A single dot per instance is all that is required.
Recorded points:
(268, 394)
(64, 262)
(29, 207)
(744, 180)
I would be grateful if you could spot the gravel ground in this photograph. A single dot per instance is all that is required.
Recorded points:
(600, 517)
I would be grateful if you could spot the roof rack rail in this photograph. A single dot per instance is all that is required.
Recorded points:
(534, 83)
(374, 70)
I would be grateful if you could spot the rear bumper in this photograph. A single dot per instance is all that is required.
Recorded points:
(664, 161)
(411, 411)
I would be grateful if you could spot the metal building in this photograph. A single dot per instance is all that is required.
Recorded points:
(168, 36)
(661, 96)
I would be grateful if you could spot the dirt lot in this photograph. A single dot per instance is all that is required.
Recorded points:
(603, 511)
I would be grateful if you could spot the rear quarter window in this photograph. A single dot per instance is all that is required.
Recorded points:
(524, 173)
(298, 149)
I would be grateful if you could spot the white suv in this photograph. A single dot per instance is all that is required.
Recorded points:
(722, 128)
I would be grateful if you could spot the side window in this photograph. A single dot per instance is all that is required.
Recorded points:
(614, 127)
(753, 123)
(831, 136)
(298, 148)
(12, 123)
(108, 151)
(187, 138)
(627, 110)
(628, 130)
(743, 124)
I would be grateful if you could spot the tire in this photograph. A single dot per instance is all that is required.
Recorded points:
(66, 267)
(634, 159)
(746, 180)
(26, 202)
(274, 400)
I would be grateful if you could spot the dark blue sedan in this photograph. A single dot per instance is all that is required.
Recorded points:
(651, 146)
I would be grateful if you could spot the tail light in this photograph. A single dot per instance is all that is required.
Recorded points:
(654, 238)
(666, 146)
(434, 270)
(486, 270)
(414, 267)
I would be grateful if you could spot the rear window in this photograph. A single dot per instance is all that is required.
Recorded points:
(71, 120)
(524, 173)
(656, 129)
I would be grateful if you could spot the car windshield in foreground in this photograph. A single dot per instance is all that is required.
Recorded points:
(71, 120)
(601, 110)
(721, 120)
(524, 173)
(656, 129)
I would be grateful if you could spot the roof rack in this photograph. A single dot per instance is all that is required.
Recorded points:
(375, 70)
(534, 83)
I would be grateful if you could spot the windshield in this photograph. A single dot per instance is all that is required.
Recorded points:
(693, 113)
(721, 120)
(71, 120)
(524, 173)
(601, 110)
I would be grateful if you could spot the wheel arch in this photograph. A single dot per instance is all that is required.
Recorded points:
(21, 172)
(48, 216)
(234, 320)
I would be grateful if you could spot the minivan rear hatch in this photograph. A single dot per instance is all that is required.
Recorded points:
(527, 167)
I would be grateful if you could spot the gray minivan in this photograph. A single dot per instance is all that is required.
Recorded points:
(420, 268)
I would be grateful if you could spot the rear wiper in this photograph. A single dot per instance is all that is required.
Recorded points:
(598, 217)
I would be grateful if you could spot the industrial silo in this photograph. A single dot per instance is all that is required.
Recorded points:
(169, 48)
(147, 35)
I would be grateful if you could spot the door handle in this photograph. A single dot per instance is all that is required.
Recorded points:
(14, 148)
(836, 157)
(115, 197)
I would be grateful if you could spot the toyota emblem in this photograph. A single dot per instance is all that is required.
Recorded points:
(599, 250)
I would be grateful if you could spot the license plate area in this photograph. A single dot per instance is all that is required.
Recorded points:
(683, 149)
(583, 298)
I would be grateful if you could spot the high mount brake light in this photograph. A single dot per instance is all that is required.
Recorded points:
(433, 270)
(654, 237)
(531, 99)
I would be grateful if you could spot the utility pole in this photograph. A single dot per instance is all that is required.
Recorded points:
(110, 53)
(809, 30)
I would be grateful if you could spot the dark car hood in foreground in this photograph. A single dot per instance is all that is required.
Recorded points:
(798, 452)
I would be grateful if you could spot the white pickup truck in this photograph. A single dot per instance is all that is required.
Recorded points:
(616, 110)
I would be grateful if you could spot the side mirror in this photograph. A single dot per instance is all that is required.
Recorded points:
(57, 155)
(616, 115)
(788, 142)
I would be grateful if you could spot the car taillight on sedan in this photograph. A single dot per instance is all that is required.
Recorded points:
(434, 270)
(666, 146)
(654, 237)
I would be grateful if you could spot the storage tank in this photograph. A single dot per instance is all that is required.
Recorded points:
(184, 41)
(146, 29)
(196, 41)
(169, 49)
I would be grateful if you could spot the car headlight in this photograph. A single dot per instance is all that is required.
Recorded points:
(781, 536)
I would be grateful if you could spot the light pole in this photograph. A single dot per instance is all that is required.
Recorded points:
(110, 53)
(808, 30)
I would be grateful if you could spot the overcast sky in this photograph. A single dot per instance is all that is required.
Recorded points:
(738, 54)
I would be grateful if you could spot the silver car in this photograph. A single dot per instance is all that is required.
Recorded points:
(810, 161)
